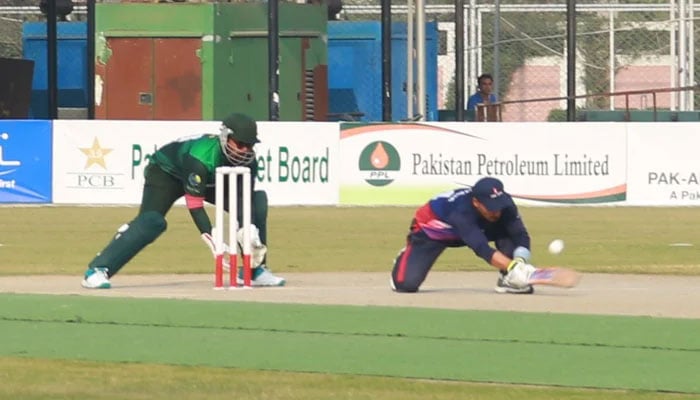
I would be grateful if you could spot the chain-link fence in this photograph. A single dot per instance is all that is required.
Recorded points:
(14, 13)
(620, 46)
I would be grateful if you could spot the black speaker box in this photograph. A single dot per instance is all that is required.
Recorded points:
(15, 87)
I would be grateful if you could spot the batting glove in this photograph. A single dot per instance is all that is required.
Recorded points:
(518, 274)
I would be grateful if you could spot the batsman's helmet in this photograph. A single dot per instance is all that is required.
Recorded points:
(244, 131)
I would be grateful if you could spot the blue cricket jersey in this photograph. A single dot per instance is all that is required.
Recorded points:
(477, 98)
(451, 218)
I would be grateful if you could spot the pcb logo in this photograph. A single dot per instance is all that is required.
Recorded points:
(378, 162)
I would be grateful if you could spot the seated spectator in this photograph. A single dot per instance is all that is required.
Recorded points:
(483, 93)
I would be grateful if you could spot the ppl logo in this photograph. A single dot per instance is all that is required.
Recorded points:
(379, 161)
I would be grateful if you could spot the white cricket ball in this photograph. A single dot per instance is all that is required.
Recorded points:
(556, 246)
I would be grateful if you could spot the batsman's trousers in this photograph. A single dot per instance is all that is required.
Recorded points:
(414, 261)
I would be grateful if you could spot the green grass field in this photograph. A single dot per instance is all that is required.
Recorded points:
(61, 240)
(87, 347)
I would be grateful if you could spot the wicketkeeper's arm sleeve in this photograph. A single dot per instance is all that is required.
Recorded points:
(201, 219)
(195, 186)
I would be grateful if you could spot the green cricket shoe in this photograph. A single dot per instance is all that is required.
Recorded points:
(96, 278)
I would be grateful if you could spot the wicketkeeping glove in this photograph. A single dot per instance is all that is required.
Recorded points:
(518, 274)
(258, 249)
(209, 240)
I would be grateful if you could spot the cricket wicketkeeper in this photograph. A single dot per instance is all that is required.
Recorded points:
(470, 217)
(188, 168)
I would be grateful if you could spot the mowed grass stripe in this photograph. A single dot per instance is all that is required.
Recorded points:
(401, 357)
(205, 333)
(27, 378)
(455, 325)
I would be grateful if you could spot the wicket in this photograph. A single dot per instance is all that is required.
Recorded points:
(232, 247)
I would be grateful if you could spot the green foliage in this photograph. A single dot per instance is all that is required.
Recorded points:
(450, 99)
(11, 28)
(636, 42)
(592, 50)
(10, 37)
(632, 40)
(522, 35)
(556, 115)
(526, 35)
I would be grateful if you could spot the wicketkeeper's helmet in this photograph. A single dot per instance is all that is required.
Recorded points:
(243, 130)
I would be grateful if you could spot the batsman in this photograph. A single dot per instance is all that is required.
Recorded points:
(187, 167)
(468, 217)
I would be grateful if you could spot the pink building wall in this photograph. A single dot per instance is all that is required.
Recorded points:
(532, 82)
(640, 77)
(542, 81)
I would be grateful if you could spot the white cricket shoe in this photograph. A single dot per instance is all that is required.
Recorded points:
(96, 278)
(503, 287)
(262, 276)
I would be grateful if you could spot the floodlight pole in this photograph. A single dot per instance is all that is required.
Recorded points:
(90, 84)
(52, 58)
(459, 60)
(273, 65)
(421, 98)
(386, 60)
(571, 60)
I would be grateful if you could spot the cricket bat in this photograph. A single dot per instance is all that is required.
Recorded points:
(555, 276)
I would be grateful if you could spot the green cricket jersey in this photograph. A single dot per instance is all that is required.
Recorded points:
(193, 160)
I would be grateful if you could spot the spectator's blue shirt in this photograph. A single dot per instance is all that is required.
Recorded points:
(476, 98)
(451, 218)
